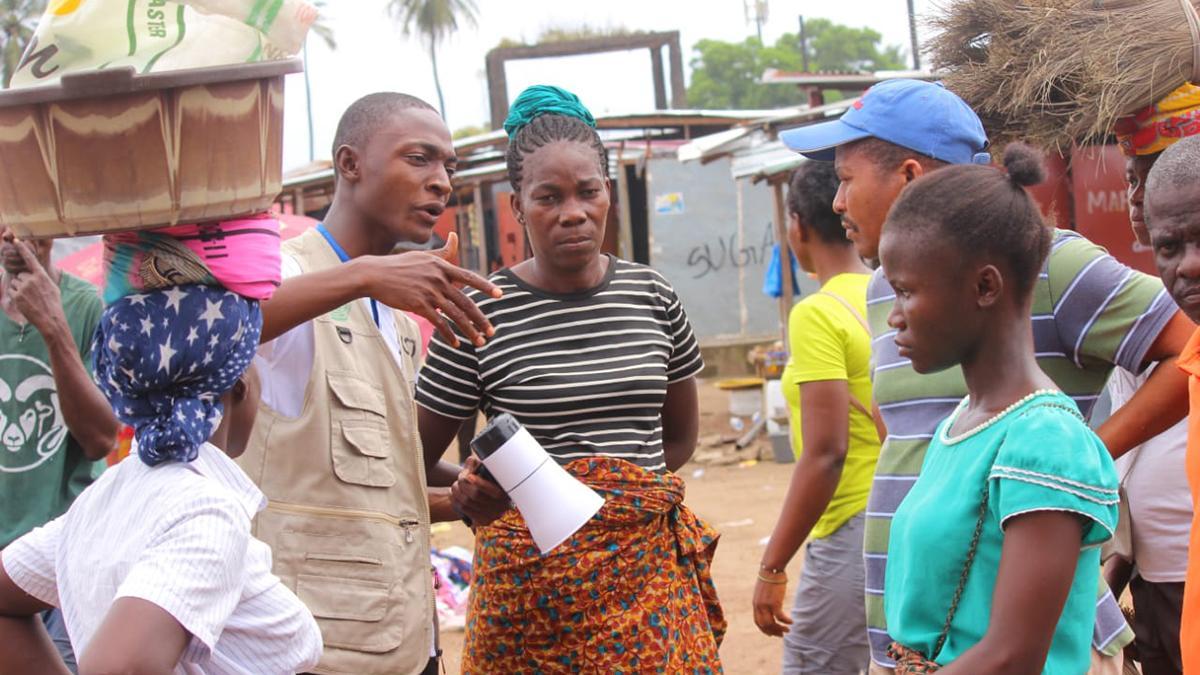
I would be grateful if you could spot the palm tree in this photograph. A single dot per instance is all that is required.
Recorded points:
(434, 21)
(325, 32)
(18, 18)
(912, 34)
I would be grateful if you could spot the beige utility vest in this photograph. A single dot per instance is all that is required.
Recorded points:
(348, 518)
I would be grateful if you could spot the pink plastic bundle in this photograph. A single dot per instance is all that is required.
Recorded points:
(240, 255)
(453, 569)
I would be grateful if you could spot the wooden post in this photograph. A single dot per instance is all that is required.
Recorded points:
(626, 230)
(497, 88)
(678, 90)
(785, 259)
(479, 257)
(496, 58)
(660, 81)
(816, 97)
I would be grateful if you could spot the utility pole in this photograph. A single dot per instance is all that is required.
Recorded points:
(803, 45)
(312, 152)
(756, 11)
(912, 34)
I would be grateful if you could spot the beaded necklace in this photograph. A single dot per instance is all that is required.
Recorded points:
(947, 439)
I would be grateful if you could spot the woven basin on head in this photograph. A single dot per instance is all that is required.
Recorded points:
(1058, 72)
(107, 151)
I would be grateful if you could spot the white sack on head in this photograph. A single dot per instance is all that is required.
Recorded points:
(159, 35)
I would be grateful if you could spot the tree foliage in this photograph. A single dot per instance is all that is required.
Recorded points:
(470, 130)
(570, 33)
(321, 28)
(727, 74)
(18, 18)
(433, 21)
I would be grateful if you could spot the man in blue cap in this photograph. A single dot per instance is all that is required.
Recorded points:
(1091, 313)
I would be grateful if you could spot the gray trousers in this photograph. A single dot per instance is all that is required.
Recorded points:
(828, 634)
(53, 620)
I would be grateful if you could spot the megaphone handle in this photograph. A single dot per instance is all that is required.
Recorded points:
(462, 516)
(482, 472)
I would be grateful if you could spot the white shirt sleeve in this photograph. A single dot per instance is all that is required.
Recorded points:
(194, 568)
(284, 364)
(30, 561)
(272, 629)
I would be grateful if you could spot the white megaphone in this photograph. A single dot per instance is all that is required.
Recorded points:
(554, 504)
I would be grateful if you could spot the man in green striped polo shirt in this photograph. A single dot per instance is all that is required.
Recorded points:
(1091, 313)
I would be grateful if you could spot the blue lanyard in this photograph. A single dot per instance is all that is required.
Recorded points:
(345, 257)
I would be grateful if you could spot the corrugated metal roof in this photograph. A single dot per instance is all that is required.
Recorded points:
(637, 120)
(481, 156)
(308, 178)
(840, 79)
(497, 170)
(764, 161)
(749, 136)
(489, 139)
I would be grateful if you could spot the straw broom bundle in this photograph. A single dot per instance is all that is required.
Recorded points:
(1056, 72)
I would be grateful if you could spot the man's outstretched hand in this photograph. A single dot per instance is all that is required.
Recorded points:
(427, 283)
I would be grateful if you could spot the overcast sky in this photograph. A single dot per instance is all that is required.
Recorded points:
(374, 55)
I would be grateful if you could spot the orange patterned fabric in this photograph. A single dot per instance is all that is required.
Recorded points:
(1156, 127)
(629, 592)
(910, 661)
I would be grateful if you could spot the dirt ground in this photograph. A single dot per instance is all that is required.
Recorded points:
(742, 502)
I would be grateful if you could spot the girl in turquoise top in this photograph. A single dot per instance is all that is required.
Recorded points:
(994, 554)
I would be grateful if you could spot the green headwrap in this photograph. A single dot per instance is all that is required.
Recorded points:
(543, 99)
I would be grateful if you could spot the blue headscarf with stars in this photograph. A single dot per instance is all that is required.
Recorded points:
(164, 359)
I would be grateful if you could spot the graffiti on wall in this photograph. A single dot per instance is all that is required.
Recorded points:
(721, 252)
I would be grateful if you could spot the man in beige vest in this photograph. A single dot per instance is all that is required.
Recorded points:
(335, 448)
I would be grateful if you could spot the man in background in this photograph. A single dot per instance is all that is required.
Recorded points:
(55, 425)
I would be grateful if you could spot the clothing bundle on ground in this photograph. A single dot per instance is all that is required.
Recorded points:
(452, 578)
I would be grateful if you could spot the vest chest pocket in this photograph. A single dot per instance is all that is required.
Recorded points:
(358, 432)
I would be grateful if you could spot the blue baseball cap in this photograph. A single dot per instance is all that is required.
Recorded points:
(924, 117)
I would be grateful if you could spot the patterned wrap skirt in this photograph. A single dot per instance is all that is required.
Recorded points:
(630, 592)
(910, 661)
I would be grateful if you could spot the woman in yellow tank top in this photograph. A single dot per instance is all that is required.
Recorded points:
(828, 389)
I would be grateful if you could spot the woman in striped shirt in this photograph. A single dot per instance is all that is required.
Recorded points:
(596, 358)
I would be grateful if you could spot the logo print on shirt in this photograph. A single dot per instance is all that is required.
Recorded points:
(31, 421)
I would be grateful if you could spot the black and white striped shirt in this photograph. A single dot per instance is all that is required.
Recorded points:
(586, 373)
